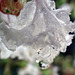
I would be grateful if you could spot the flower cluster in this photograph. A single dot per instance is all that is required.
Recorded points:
(39, 33)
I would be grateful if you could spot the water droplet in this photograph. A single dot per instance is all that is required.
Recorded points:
(43, 65)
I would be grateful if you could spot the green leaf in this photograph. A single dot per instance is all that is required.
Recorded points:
(47, 72)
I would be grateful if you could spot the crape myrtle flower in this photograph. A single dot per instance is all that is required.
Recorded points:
(4, 52)
(41, 28)
(30, 69)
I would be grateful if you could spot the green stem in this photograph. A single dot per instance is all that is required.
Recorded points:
(7, 68)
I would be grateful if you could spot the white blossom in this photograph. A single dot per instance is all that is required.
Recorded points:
(55, 70)
(29, 70)
(24, 53)
(40, 29)
(4, 52)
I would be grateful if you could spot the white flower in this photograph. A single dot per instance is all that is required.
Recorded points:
(24, 53)
(29, 70)
(55, 70)
(4, 52)
(41, 29)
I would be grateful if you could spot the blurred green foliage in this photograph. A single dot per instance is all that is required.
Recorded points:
(47, 72)
(60, 2)
(10, 66)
